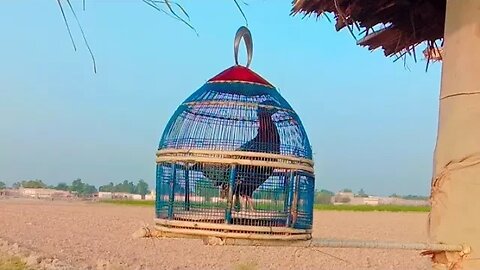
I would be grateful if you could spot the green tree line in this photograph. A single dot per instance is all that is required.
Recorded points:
(84, 189)
(77, 186)
(126, 186)
(203, 188)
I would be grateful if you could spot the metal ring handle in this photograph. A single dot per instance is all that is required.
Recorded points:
(244, 33)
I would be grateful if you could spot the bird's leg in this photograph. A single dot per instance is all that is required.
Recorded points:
(236, 202)
(223, 191)
(243, 203)
(250, 203)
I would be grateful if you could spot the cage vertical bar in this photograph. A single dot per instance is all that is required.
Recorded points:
(231, 188)
(187, 188)
(290, 197)
(171, 197)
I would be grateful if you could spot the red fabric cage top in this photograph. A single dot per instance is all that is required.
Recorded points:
(240, 73)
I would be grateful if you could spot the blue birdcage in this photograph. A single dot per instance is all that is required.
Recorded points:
(235, 161)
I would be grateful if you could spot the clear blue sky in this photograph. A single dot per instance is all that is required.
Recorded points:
(372, 122)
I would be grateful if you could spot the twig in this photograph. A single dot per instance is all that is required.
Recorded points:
(172, 13)
(241, 11)
(83, 36)
(66, 24)
(414, 53)
(344, 19)
(295, 254)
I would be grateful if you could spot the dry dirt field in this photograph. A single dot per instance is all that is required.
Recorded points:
(98, 236)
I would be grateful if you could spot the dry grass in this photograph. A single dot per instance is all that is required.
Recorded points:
(246, 266)
(319, 207)
(372, 208)
(395, 25)
(12, 263)
(130, 202)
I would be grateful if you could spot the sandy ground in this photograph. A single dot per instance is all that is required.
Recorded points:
(93, 235)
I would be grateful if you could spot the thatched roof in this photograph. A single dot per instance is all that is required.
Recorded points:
(395, 25)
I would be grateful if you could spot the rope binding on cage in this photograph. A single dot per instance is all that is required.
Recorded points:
(244, 33)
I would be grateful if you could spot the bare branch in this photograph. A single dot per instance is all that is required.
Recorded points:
(84, 37)
(172, 13)
(241, 11)
(66, 24)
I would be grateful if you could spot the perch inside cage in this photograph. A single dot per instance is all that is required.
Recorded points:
(234, 161)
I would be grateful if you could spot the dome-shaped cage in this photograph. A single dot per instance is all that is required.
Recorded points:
(234, 160)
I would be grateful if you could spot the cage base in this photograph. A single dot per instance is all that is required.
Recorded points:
(251, 218)
(193, 229)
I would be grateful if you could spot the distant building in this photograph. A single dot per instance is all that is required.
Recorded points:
(104, 195)
(343, 198)
(151, 196)
(10, 192)
(136, 197)
(124, 196)
(401, 201)
(371, 200)
(181, 198)
(44, 193)
(349, 198)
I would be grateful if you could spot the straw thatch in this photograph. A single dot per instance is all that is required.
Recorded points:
(395, 25)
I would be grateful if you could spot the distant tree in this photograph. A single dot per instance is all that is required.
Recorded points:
(361, 193)
(415, 197)
(263, 193)
(394, 195)
(62, 186)
(3, 185)
(323, 197)
(327, 192)
(126, 186)
(346, 190)
(77, 185)
(81, 188)
(205, 188)
(89, 189)
(276, 192)
(342, 199)
(107, 188)
(142, 188)
(16, 185)
(33, 184)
